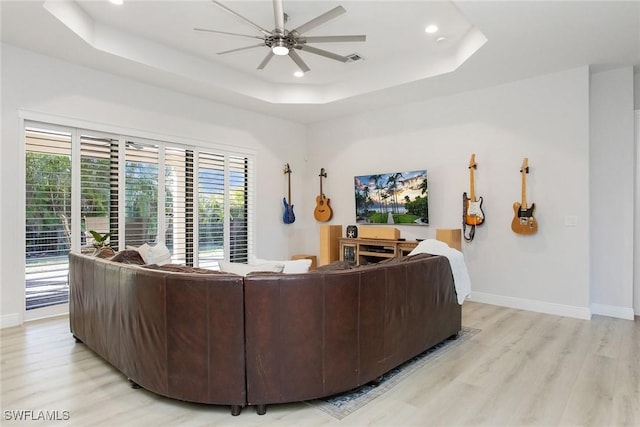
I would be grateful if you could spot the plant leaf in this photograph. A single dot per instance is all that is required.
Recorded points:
(96, 236)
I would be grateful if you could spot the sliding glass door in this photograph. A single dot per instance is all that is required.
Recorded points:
(47, 216)
(197, 201)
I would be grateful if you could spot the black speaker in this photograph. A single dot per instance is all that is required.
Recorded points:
(352, 231)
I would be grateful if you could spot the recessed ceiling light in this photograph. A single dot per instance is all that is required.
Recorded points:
(431, 29)
(299, 73)
(118, 2)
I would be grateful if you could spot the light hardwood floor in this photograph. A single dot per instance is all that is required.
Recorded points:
(522, 369)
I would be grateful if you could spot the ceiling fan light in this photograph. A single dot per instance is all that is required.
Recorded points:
(280, 48)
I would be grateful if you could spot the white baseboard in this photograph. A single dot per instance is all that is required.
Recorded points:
(17, 319)
(47, 312)
(532, 305)
(10, 320)
(613, 311)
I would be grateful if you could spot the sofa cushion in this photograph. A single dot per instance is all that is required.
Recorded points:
(105, 252)
(179, 268)
(406, 258)
(128, 256)
(142, 250)
(244, 269)
(158, 254)
(295, 266)
(336, 265)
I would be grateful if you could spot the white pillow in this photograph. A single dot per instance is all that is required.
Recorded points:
(158, 254)
(244, 269)
(295, 266)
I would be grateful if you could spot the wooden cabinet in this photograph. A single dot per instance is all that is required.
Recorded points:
(329, 246)
(451, 236)
(367, 251)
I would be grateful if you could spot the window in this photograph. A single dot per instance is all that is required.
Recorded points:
(210, 207)
(95, 187)
(195, 200)
(141, 182)
(47, 216)
(239, 208)
(178, 204)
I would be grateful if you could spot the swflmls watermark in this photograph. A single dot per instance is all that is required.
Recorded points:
(35, 415)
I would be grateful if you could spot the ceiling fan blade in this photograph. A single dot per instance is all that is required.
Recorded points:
(242, 18)
(266, 60)
(299, 62)
(241, 48)
(278, 12)
(228, 34)
(327, 16)
(335, 39)
(324, 53)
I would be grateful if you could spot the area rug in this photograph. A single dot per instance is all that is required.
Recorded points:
(343, 404)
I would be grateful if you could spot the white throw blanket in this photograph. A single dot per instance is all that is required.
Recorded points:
(461, 278)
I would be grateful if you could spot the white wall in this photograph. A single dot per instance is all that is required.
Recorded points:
(636, 91)
(545, 119)
(42, 84)
(636, 243)
(612, 192)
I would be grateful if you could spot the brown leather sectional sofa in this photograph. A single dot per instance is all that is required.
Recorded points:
(265, 338)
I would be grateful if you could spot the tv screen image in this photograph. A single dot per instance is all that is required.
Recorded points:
(392, 198)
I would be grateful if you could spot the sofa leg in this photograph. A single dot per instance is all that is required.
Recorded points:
(454, 336)
(134, 385)
(78, 340)
(376, 382)
(235, 410)
(261, 409)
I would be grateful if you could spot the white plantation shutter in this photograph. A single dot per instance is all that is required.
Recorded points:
(211, 210)
(95, 188)
(141, 194)
(239, 203)
(224, 208)
(199, 202)
(179, 204)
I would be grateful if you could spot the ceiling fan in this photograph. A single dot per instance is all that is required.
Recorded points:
(281, 41)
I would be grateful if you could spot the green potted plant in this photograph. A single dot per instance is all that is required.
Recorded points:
(101, 243)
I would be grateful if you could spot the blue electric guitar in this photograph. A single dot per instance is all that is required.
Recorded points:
(288, 217)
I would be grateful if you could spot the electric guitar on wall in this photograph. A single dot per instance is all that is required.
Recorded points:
(322, 212)
(523, 221)
(288, 217)
(473, 212)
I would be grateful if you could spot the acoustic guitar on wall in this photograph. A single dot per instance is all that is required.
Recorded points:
(523, 221)
(288, 217)
(322, 212)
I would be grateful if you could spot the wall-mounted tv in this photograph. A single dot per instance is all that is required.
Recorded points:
(392, 198)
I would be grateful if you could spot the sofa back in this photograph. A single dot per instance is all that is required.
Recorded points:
(316, 334)
(180, 335)
(264, 338)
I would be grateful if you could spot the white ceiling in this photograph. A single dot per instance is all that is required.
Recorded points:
(487, 43)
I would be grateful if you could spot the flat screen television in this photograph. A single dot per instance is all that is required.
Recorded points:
(392, 198)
